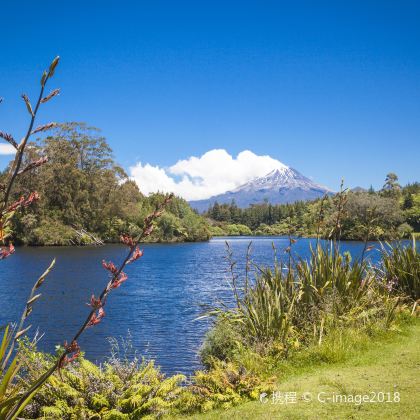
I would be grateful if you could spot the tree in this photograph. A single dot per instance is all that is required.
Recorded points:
(371, 215)
(83, 187)
(408, 202)
(391, 186)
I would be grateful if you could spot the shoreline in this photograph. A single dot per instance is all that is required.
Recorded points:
(219, 237)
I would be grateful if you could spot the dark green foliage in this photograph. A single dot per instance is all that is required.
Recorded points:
(373, 216)
(411, 205)
(178, 223)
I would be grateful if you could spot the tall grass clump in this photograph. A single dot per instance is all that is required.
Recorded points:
(279, 310)
(288, 305)
(301, 303)
(400, 268)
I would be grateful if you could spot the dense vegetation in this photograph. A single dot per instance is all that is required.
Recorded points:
(391, 213)
(82, 189)
(128, 388)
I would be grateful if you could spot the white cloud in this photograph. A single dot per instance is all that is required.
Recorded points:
(196, 178)
(7, 149)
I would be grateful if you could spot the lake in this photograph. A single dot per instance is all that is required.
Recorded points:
(157, 307)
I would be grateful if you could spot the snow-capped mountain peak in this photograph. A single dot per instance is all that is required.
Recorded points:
(281, 185)
(281, 178)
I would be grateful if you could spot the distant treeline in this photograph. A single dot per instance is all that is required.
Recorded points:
(393, 212)
(82, 187)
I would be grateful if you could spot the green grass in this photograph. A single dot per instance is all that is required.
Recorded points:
(390, 363)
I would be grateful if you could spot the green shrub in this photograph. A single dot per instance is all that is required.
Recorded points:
(52, 232)
(280, 228)
(223, 386)
(217, 231)
(118, 389)
(221, 341)
(238, 230)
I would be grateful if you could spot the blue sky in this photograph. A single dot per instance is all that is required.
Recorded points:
(332, 90)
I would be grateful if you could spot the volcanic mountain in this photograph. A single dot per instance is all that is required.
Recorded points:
(280, 186)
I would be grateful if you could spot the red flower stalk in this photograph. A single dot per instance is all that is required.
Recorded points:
(44, 127)
(148, 230)
(55, 92)
(35, 164)
(96, 318)
(16, 204)
(95, 303)
(72, 349)
(34, 196)
(136, 255)
(110, 266)
(9, 138)
(128, 240)
(6, 252)
(24, 202)
(121, 279)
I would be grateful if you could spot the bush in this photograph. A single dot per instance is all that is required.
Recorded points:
(223, 386)
(50, 232)
(404, 230)
(238, 230)
(276, 229)
(221, 342)
(217, 231)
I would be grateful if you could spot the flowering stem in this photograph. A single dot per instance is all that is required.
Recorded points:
(21, 149)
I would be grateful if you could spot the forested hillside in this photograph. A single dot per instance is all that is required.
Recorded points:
(82, 187)
(393, 212)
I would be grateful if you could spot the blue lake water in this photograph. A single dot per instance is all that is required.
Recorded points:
(158, 304)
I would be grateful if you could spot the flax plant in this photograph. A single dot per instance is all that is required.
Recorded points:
(299, 300)
(11, 363)
(400, 269)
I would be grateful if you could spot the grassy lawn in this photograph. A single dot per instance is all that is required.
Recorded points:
(389, 365)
